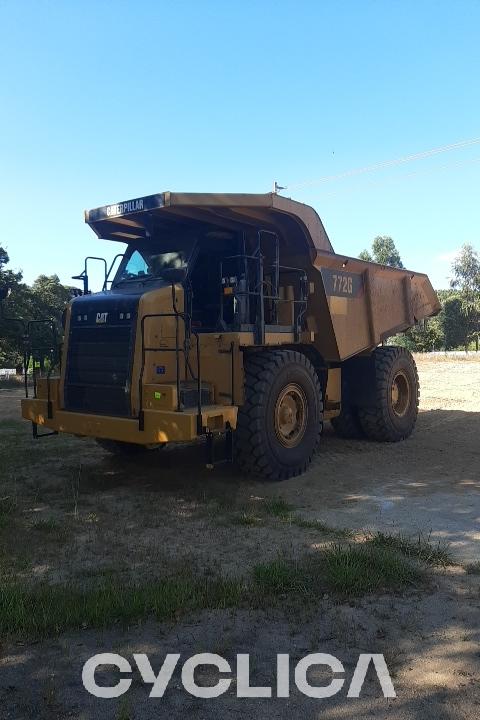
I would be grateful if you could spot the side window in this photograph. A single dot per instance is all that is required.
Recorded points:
(136, 266)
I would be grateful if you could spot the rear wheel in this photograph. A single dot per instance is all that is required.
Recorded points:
(347, 425)
(116, 447)
(393, 412)
(280, 423)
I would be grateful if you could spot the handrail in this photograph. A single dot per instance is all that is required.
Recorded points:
(118, 255)
(29, 352)
(84, 274)
(231, 352)
(257, 291)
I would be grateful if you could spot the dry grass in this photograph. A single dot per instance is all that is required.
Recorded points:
(471, 356)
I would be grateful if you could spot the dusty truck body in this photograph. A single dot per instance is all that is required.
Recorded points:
(231, 314)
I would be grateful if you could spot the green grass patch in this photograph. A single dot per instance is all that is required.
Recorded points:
(284, 576)
(352, 570)
(277, 507)
(419, 547)
(321, 527)
(346, 570)
(247, 519)
(358, 569)
(256, 513)
(47, 610)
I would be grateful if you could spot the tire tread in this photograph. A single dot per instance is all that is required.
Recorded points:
(374, 418)
(260, 370)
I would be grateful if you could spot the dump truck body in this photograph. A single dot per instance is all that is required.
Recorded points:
(210, 286)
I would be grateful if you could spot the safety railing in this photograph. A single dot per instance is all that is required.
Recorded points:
(34, 352)
(258, 293)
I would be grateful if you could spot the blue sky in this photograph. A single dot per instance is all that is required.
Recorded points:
(105, 101)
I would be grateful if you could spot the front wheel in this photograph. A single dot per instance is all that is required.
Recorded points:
(392, 413)
(280, 423)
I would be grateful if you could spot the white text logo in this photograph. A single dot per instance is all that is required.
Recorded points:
(244, 689)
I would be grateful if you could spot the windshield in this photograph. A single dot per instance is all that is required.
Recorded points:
(150, 262)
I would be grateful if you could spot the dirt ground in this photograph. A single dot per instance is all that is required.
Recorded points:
(428, 484)
(104, 516)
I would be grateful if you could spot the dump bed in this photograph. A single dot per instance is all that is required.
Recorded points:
(352, 305)
(364, 303)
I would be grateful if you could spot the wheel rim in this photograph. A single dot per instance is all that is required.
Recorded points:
(400, 394)
(291, 415)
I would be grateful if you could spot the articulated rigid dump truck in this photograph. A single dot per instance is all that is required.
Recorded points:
(231, 315)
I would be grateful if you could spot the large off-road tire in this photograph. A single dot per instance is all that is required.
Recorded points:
(116, 447)
(392, 414)
(347, 425)
(280, 423)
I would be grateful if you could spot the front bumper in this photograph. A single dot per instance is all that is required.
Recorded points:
(159, 425)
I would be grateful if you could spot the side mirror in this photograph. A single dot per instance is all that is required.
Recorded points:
(174, 275)
(4, 292)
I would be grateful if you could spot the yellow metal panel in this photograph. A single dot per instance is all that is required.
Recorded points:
(333, 394)
(160, 425)
(160, 397)
(42, 389)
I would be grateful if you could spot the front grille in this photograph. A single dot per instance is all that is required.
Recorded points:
(98, 369)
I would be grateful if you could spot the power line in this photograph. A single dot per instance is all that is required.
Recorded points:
(386, 164)
(374, 183)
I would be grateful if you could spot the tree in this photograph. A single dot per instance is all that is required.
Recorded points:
(365, 255)
(466, 280)
(8, 278)
(10, 333)
(4, 259)
(46, 299)
(50, 296)
(383, 252)
(454, 323)
(424, 337)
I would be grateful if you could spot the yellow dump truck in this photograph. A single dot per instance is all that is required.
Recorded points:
(231, 315)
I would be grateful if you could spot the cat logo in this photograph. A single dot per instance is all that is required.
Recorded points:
(101, 318)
